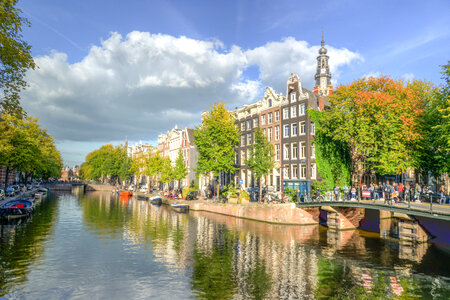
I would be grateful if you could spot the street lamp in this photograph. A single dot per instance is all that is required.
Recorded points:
(282, 179)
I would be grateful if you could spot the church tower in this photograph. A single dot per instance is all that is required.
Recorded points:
(323, 85)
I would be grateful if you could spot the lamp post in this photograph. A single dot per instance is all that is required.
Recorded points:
(282, 179)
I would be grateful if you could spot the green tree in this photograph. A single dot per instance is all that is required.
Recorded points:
(15, 57)
(261, 159)
(155, 164)
(332, 156)
(216, 139)
(380, 121)
(180, 170)
(166, 175)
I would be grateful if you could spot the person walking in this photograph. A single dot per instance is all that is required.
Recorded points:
(379, 191)
(387, 193)
(346, 190)
(443, 193)
(407, 192)
(401, 195)
(417, 191)
(372, 191)
(336, 193)
(353, 194)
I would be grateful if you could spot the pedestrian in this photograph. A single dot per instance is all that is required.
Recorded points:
(395, 192)
(353, 194)
(336, 193)
(401, 194)
(371, 190)
(443, 193)
(346, 190)
(379, 193)
(417, 192)
(382, 186)
(407, 192)
(387, 193)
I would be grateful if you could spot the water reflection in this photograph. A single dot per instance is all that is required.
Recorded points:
(209, 256)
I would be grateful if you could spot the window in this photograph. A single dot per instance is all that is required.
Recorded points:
(294, 151)
(264, 132)
(286, 173)
(249, 139)
(302, 128)
(270, 138)
(286, 151)
(286, 131)
(277, 152)
(302, 150)
(243, 157)
(294, 171)
(302, 171)
(243, 126)
(270, 118)
(294, 129)
(286, 113)
(242, 140)
(313, 150)
(301, 109)
(270, 102)
(249, 124)
(263, 120)
(293, 97)
(293, 111)
(313, 128)
(277, 116)
(313, 171)
(277, 133)
(255, 122)
(249, 153)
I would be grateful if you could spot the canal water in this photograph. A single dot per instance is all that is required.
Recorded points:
(96, 246)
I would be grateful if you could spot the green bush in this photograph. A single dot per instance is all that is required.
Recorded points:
(291, 192)
(187, 190)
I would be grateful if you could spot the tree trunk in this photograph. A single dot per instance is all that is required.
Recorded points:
(6, 177)
(260, 189)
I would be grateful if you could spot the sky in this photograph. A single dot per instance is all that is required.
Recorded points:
(115, 70)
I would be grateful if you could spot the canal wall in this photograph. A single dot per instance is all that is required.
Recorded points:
(99, 187)
(287, 214)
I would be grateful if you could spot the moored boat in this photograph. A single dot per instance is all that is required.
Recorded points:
(156, 200)
(126, 193)
(180, 207)
(16, 209)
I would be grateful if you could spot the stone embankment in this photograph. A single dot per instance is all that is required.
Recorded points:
(287, 214)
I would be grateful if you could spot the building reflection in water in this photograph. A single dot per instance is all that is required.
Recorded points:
(228, 257)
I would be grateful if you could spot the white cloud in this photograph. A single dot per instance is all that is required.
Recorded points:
(143, 84)
(407, 77)
(372, 74)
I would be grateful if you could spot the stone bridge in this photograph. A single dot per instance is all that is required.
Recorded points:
(412, 222)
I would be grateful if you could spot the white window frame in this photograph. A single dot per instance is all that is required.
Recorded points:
(270, 134)
(263, 120)
(294, 125)
(286, 151)
(255, 122)
(249, 124)
(269, 118)
(313, 128)
(286, 172)
(243, 126)
(302, 171)
(243, 157)
(277, 116)
(277, 152)
(294, 154)
(293, 111)
(285, 113)
(301, 109)
(277, 133)
(313, 171)
(249, 139)
(284, 131)
(302, 128)
(294, 171)
(313, 150)
(293, 97)
(302, 150)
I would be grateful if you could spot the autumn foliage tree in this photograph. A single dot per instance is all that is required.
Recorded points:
(380, 120)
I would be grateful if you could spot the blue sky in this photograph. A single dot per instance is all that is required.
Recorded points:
(246, 44)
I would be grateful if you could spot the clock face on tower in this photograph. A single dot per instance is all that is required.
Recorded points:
(322, 71)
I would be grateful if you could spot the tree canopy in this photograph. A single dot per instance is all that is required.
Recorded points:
(261, 159)
(15, 57)
(180, 170)
(26, 147)
(107, 162)
(216, 139)
(379, 121)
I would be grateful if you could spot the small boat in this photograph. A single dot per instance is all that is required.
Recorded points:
(140, 196)
(16, 209)
(157, 200)
(180, 207)
(126, 193)
(43, 191)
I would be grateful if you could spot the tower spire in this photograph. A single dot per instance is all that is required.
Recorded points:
(323, 41)
(323, 76)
